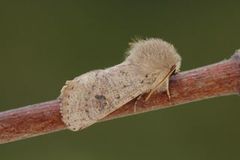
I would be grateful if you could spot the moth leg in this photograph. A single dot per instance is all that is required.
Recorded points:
(155, 87)
(167, 90)
(159, 82)
(135, 103)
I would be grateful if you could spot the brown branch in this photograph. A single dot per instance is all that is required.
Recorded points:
(219, 79)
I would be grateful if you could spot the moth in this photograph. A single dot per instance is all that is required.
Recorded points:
(90, 97)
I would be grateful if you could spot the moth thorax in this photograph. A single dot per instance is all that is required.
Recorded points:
(153, 54)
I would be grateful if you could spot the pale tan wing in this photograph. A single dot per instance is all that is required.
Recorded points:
(122, 85)
(94, 95)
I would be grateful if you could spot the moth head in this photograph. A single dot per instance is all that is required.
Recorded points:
(153, 55)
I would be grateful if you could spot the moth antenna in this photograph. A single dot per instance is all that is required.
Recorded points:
(172, 70)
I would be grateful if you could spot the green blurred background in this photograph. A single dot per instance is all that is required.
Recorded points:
(43, 44)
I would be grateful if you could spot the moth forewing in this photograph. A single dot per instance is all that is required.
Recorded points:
(92, 96)
(119, 85)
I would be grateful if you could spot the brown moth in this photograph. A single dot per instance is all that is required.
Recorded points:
(92, 96)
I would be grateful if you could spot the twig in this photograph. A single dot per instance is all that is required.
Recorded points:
(219, 79)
